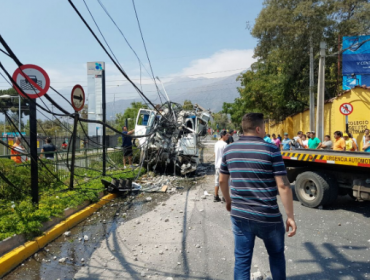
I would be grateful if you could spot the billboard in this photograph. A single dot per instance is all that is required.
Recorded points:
(356, 61)
(95, 96)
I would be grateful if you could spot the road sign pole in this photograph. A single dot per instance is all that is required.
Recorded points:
(33, 150)
(104, 121)
(73, 150)
(347, 123)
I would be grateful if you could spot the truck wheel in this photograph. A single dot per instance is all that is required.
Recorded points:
(314, 189)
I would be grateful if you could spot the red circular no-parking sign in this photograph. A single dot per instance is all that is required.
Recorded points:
(32, 80)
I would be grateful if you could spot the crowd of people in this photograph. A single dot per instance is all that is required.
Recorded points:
(341, 141)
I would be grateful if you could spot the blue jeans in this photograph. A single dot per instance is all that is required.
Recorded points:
(272, 234)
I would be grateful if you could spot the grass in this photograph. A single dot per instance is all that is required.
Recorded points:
(17, 213)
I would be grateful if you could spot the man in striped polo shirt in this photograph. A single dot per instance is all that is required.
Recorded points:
(257, 174)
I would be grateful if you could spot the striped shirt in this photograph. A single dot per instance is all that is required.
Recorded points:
(252, 165)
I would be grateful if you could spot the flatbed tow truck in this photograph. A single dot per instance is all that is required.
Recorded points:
(321, 175)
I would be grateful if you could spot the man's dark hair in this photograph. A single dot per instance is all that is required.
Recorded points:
(273, 135)
(268, 135)
(339, 133)
(328, 136)
(299, 133)
(48, 140)
(251, 121)
(350, 135)
(223, 133)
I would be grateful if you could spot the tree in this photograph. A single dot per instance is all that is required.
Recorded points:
(130, 114)
(221, 120)
(188, 105)
(12, 104)
(278, 83)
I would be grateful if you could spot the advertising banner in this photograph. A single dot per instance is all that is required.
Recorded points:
(356, 61)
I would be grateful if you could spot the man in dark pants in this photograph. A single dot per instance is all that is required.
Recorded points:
(127, 146)
(49, 149)
(257, 174)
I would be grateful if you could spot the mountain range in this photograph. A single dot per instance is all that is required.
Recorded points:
(210, 93)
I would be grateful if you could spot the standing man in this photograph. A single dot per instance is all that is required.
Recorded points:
(348, 141)
(127, 146)
(257, 174)
(219, 151)
(339, 144)
(313, 142)
(267, 138)
(49, 149)
(16, 150)
(297, 143)
(308, 135)
(285, 144)
(327, 144)
(230, 139)
(355, 145)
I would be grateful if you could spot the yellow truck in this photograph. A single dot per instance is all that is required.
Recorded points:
(321, 175)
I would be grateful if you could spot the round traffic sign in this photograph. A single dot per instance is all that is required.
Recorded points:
(346, 109)
(32, 80)
(78, 98)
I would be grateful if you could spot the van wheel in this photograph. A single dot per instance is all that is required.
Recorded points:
(314, 189)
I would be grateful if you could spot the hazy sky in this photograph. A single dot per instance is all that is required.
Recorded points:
(184, 38)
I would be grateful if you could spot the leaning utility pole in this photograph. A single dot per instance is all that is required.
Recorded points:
(312, 95)
(321, 94)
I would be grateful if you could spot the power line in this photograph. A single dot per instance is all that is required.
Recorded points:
(165, 77)
(146, 51)
(124, 37)
(97, 26)
(115, 63)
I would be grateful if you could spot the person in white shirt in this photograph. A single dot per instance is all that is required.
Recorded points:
(219, 151)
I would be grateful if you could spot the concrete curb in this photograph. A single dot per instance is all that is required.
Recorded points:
(18, 255)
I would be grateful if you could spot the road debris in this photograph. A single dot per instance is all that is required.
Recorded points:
(257, 276)
(67, 234)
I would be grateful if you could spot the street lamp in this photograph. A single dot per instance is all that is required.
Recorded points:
(19, 108)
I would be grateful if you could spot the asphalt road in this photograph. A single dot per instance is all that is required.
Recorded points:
(184, 236)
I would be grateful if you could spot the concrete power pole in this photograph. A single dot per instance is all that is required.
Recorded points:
(312, 95)
(321, 94)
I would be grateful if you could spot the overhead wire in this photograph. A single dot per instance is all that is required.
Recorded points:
(146, 51)
(127, 42)
(114, 62)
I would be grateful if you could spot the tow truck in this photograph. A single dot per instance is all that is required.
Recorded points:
(321, 175)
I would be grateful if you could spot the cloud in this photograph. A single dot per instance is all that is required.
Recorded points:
(224, 63)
